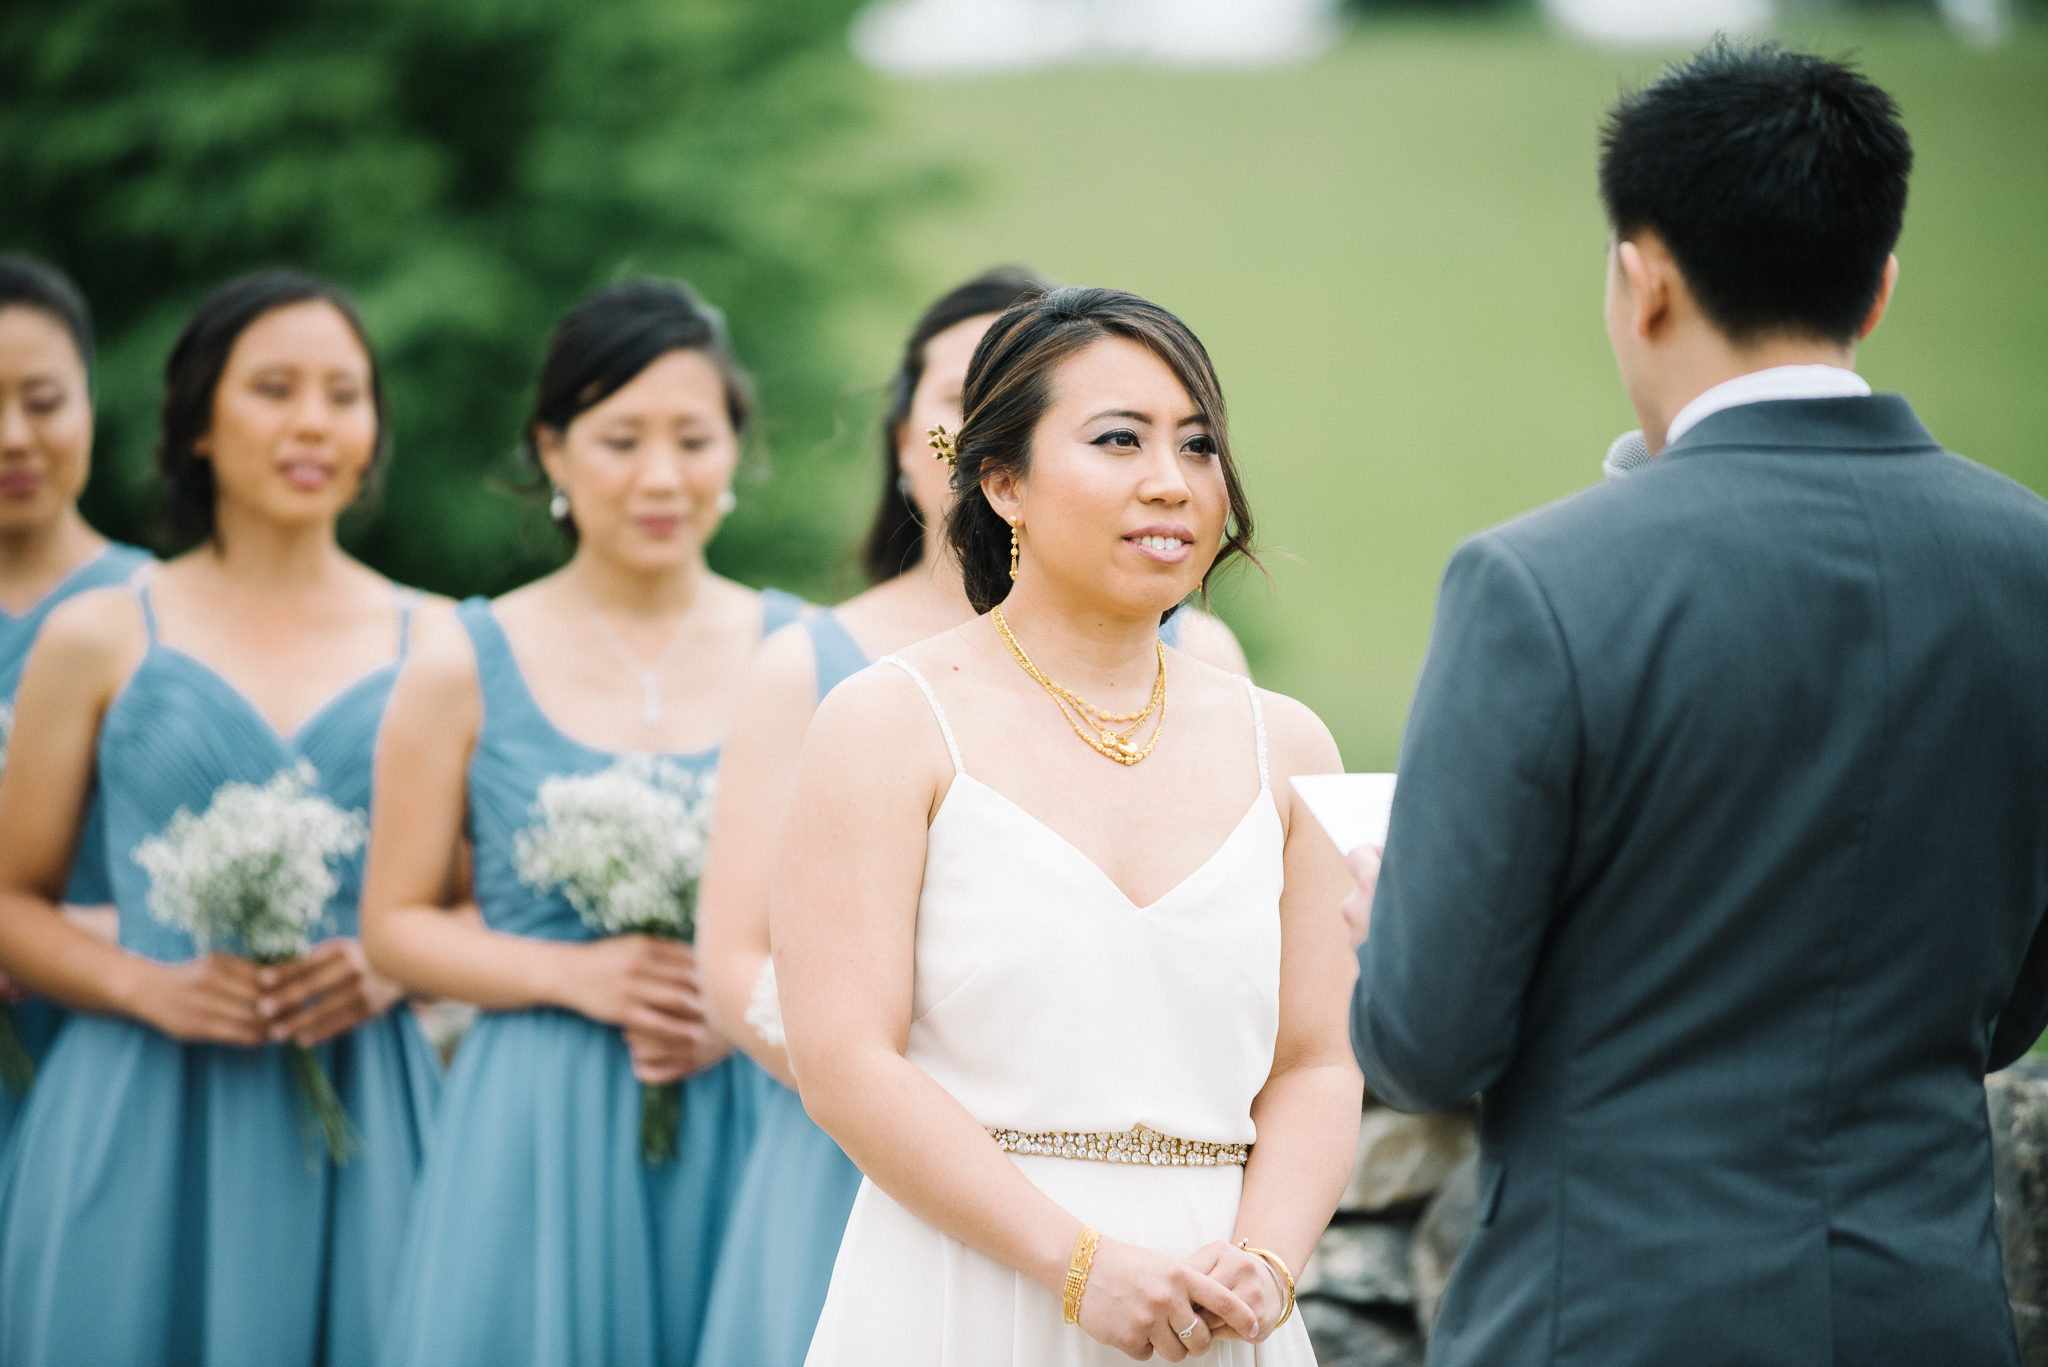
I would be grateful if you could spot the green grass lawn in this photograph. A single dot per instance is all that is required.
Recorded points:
(1395, 255)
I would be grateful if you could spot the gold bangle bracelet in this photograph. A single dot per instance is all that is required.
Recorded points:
(1077, 1271)
(1278, 1265)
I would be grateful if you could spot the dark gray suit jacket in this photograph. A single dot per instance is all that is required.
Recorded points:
(1718, 866)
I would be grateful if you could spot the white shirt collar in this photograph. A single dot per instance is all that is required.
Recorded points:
(1765, 386)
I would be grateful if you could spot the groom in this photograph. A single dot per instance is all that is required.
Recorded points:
(1720, 855)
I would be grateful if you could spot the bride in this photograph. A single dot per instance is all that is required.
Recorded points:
(1065, 976)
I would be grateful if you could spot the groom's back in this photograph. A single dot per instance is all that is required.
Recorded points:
(1720, 854)
(1811, 850)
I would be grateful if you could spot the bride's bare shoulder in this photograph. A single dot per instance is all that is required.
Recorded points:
(1297, 741)
(878, 708)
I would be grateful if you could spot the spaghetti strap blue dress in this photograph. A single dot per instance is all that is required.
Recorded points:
(542, 1237)
(797, 1188)
(37, 1018)
(157, 1204)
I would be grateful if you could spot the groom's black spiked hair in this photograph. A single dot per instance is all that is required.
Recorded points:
(1777, 179)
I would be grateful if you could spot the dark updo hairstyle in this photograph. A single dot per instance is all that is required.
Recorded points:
(611, 336)
(192, 379)
(1009, 387)
(896, 540)
(29, 283)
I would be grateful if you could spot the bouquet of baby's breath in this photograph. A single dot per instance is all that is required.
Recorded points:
(625, 846)
(254, 875)
(17, 1069)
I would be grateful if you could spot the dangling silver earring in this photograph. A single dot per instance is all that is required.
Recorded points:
(727, 501)
(558, 506)
(903, 485)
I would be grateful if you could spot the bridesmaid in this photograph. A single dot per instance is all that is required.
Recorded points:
(798, 1186)
(543, 1235)
(47, 552)
(158, 1204)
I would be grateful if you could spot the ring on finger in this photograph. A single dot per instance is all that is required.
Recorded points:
(1182, 1334)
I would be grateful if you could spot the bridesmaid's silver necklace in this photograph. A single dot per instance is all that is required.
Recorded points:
(650, 679)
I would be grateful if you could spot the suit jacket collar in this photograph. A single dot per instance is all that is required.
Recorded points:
(1882, 422)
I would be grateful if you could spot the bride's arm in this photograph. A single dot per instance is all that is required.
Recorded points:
(849, 865)
(1307, 1113)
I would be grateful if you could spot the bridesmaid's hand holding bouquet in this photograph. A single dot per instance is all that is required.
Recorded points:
(324, 993)
(255, 873)
(625, 847)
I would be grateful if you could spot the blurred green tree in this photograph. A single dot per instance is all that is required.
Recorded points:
(467, 168)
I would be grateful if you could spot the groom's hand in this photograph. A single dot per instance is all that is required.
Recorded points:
(1364, 863)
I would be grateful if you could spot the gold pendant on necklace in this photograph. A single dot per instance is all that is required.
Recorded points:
(1105, 742)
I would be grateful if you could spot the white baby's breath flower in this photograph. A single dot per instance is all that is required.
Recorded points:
(255, 872)
(624, 845)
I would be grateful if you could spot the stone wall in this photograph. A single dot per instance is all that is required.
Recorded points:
(1370, 1292)
(1379, 1270)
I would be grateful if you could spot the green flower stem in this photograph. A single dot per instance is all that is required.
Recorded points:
(661, 1120)
(661, 1104)
(323, 1119)
(17, 1069)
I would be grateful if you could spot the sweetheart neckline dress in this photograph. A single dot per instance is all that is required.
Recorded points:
(156, 1204)
(1046, 1001)
(541, 1236)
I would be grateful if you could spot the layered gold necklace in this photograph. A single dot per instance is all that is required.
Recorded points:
(1108, 734)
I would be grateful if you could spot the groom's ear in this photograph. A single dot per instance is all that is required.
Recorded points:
(1883, 300)
(1648, 273)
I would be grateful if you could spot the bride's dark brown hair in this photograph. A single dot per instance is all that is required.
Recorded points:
(1009, 387)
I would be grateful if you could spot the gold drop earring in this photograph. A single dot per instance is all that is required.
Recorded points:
(1014, 523)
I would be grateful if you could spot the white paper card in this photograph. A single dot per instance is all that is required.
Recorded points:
(1353, 808)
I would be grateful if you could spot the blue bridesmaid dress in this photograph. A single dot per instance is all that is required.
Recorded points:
(36, 1019)
(157, 1205)
(541, 1236)
(798, 1185)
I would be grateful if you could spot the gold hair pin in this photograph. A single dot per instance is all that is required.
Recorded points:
(943, 445)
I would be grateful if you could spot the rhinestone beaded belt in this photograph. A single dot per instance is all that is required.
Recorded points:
(1139, 1145)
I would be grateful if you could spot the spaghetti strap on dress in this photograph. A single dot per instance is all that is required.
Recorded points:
(1069, 1020)
(542, 1237)
(157, 1204)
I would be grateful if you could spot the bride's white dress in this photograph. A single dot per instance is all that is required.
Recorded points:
(1046, 1000)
